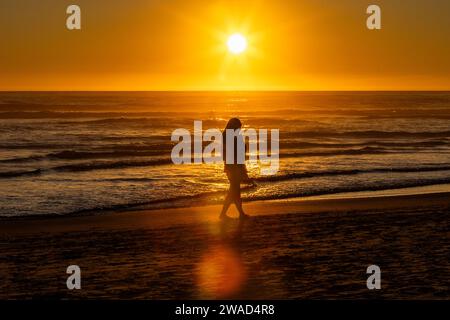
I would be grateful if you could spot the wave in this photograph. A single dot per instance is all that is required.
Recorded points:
(172, 202)
(366, 134)
(216, 197)
(89, 166)
(301, 144)
(350, 152)
(132, 151)
(99, 153)
(366, 150)
(15, 174)
(351, 188)
(24, 159)
(110, 165)
(165, 144)
(70, 115)
(303, 175)
(118, 142)
(75, 155)
(84, 155)
(130, 179)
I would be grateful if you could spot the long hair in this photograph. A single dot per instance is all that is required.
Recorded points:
(233, 123)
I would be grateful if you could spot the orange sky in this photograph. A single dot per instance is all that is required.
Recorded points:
(181, 45)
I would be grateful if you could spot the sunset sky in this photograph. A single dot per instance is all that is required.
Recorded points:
(182, 45)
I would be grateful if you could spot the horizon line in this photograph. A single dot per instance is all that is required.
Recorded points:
(223, 91)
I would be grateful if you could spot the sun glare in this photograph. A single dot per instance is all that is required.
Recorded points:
(237, 43)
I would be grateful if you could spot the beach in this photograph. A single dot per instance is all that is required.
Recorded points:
(237, 151)
(289, 249)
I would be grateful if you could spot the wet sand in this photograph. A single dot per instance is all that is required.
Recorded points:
(293, 249)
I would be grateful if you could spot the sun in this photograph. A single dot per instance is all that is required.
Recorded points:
(237, 43)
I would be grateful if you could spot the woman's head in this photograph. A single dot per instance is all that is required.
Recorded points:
(234, 123)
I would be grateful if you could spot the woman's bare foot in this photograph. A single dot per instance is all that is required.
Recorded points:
(244, 216)
(224, 217)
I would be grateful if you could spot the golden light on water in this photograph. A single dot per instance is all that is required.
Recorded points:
(220, 272)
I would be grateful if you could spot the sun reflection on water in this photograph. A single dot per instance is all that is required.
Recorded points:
(220, 272)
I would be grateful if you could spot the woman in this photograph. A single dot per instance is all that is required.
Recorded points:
(236, 173)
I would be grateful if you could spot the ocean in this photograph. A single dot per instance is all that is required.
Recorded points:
(66, 153)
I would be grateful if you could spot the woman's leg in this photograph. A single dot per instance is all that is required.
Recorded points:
(233, 194)
(226, 204)
(236, 197)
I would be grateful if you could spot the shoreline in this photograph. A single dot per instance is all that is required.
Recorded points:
(407, 191)
(161, 218)
(394, 192)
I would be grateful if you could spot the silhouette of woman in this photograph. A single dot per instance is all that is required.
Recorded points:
(236, 172)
